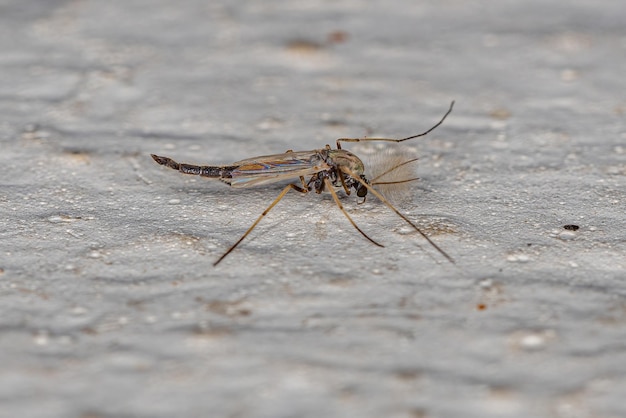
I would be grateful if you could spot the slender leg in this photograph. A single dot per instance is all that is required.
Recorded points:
(390, 206)
(334, 195)
(343, 182)
(304, 185)
(396, 140)
(265, 212)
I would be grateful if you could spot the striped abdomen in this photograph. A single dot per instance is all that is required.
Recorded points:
(220, 172)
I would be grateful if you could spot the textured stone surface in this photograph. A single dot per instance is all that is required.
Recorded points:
(110, 305)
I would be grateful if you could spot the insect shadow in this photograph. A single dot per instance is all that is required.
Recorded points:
(325, 168)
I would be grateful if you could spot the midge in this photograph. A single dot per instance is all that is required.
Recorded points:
(328, 168)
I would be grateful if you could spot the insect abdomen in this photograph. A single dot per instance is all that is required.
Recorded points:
(198, 170)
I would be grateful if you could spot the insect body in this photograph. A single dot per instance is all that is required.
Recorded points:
(272, 168)
(325, 168)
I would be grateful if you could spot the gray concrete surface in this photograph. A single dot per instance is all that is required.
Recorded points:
(110, 305)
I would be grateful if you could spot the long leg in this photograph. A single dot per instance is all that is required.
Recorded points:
(343, 182)
(392, 207)
(265, 212)
(334, 195)
(397, 140)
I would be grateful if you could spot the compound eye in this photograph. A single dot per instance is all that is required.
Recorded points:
(361, 191)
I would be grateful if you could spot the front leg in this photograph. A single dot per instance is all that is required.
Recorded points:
(393, 139)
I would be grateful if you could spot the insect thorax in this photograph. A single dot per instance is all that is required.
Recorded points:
(343, 165)
(340, 158)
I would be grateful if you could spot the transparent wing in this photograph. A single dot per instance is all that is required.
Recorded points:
(273, 168)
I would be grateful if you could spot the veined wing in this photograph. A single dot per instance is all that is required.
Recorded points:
(272, 168)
